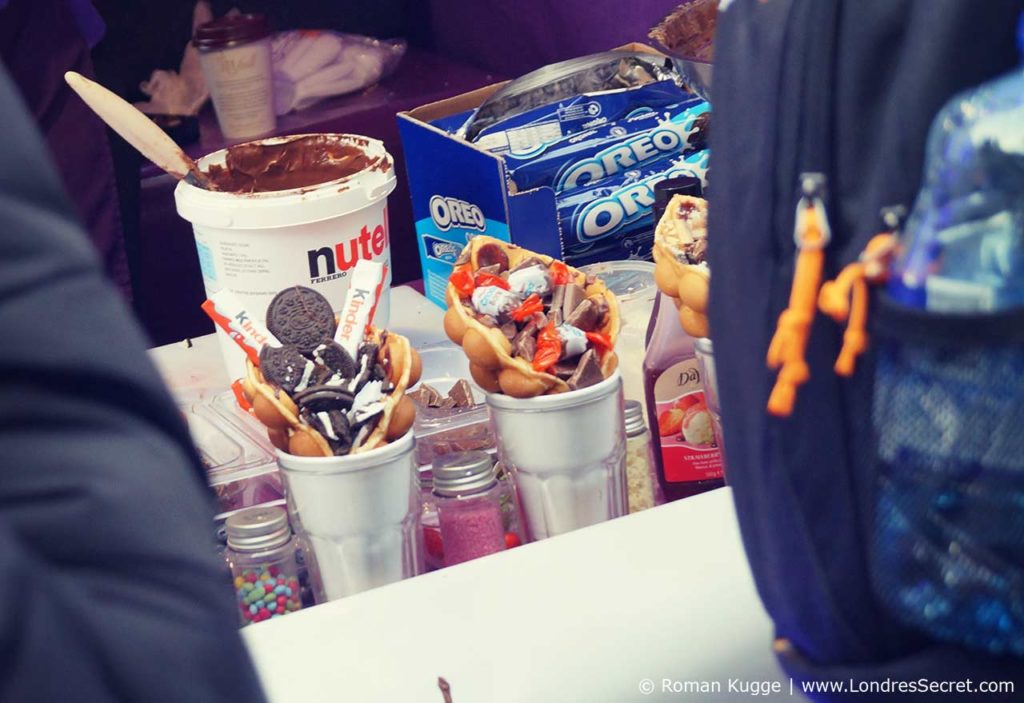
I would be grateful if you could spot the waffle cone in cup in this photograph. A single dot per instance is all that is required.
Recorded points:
(490, 352)
(279, 413)
(686, 283)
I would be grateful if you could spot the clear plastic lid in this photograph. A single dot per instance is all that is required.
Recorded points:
(611, 70)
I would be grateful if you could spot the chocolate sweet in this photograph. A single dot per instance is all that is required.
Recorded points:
(529, 325)
(302, 317)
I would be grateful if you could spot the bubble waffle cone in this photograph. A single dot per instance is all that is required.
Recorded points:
(279, 413)
(685, 282)
(489, 350)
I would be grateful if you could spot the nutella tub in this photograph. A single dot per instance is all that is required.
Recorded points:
(299, 210)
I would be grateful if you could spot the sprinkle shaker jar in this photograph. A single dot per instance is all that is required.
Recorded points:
(641, 477)
(468, 506)
(261, 554)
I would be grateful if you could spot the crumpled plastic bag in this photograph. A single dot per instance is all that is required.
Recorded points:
(181, 92)
(310, 65)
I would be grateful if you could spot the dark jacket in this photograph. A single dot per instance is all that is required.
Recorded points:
(848, 88)
(110, 585)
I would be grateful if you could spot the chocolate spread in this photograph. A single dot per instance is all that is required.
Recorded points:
(297, 163)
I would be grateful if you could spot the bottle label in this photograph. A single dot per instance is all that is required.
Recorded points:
(689, 451)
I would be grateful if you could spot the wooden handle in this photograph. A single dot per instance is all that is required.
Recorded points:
(137, 129)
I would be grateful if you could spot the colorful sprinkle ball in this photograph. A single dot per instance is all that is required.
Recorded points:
(265, 593)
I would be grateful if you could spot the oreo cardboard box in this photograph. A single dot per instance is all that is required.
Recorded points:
(460, 190)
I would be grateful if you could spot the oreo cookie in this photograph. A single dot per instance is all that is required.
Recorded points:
(285, 367)
(333, 356)
(302, 317)
(323, 398)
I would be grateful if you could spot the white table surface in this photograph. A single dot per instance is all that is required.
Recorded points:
(582, 618)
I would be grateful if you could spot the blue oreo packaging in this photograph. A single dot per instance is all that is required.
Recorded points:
(639, 139)
(613, 217)
(527, 134)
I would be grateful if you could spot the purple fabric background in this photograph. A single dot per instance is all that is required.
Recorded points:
(512, 38)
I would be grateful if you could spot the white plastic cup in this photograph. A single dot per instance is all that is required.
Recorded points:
(257, 244)
(235, 57)
(358, 513)
(567, 455)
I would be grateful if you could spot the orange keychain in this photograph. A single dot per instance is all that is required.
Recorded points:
(847, 296)
(789, 343)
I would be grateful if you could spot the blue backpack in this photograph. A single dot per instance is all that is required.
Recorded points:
(847, 89)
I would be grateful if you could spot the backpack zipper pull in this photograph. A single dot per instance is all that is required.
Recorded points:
(789, 343)
(847, 296)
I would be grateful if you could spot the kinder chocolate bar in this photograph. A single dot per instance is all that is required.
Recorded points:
(613, 148)
(356, 314)
(619, 207)
(528, 132)
(228, 313)
(548, 338)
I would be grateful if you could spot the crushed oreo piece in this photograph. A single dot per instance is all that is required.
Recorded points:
(333, 356)
(588, 371)
(285, 367)
(333, 426)
(302, 317)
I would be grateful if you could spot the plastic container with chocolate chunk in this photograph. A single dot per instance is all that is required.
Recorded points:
(681, 272)
(451, 415)
(530, 325)
(315, 397)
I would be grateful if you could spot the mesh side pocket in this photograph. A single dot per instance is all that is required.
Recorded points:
(949, 525)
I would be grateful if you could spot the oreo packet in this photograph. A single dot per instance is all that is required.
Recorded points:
(597, 217)
(527, 133)
(637, 140)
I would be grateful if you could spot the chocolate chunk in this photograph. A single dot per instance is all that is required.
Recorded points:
(524, 344)
(285, 367)
(492, 255)
(463, 257)
(493, 268)
(564, 369)
(333, 356)
(586, 316)
(574, 295)
(446, 404)
(302, 317)
(323, 398)
(588, 371)
(591, 279)
(557, 298)
(528, 262)
(486, 320)
(509, 329)
(462, 394)
(426, 396)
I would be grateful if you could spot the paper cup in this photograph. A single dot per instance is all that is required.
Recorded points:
(256, 244)
(566, 454)
(358, 513)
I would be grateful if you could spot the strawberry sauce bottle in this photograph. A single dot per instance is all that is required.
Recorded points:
(688, 458)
